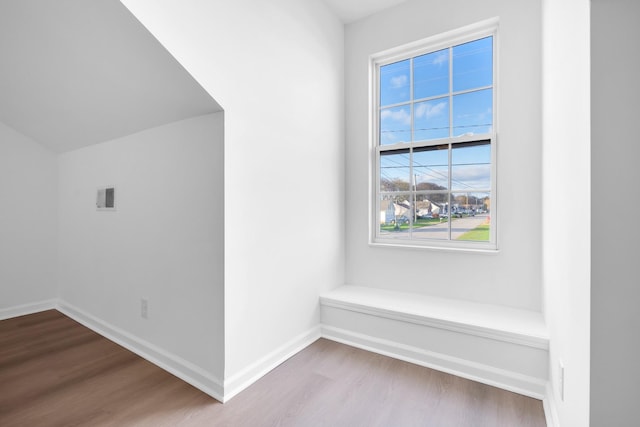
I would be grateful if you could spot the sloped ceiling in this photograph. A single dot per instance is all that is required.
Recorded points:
(352, 10)
(80, 72)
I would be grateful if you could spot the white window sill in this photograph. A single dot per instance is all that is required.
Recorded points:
(458, 248)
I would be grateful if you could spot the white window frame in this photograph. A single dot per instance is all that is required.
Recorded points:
(432, 44)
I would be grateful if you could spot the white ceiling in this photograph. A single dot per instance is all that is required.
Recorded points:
(77, 72)
(352, 10)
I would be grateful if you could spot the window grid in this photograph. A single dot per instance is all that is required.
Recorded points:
(451, 141)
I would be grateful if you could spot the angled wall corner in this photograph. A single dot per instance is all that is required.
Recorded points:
(277, 69)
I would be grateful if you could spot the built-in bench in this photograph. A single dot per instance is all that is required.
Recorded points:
(497, 345)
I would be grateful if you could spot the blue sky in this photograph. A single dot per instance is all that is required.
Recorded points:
(472, 113)
(471, 167)
(472, 68)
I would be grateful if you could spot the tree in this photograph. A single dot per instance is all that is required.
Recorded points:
(395, 184)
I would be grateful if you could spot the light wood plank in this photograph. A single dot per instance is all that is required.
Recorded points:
(56, 372)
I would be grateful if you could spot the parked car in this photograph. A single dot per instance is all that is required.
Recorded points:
(400, 220)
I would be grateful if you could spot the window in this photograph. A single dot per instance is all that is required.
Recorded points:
(434, 133)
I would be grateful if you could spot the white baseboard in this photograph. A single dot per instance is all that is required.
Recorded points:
(550, 407)
(512, 381)
(179, 367)
(24, 309)
(252, 373)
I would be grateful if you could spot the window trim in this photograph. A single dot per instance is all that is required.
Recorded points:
(448, 39)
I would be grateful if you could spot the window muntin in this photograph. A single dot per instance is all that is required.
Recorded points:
(435, 146)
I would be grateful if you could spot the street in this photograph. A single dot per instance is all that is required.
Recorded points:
(459, 226)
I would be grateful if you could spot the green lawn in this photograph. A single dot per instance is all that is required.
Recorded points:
(478, 234)
(418, 223)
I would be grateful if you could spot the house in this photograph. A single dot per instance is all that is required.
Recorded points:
(426, 207)
(285, 109)
(390, 212)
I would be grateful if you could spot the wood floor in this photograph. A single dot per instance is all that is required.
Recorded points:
(55, 372)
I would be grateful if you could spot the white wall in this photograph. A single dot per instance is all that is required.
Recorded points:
(513, 276)
(566, 228)
(164, 242)
(276, 68)
(615, 317)
(28, 218)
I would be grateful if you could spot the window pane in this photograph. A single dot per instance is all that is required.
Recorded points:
(394, 83)
(395, 125)
(431, 222)
(431, 119)
(395, 213)
(431, 74)
(473, 113)
(473, 64)
(394, 170)
(470, 220)
(471, 166)
(431, 168)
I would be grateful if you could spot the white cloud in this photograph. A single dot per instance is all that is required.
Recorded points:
(399, 81)
(440, 58)
(429, 110)
(401, 116)
(476, 117)
(477, 176)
